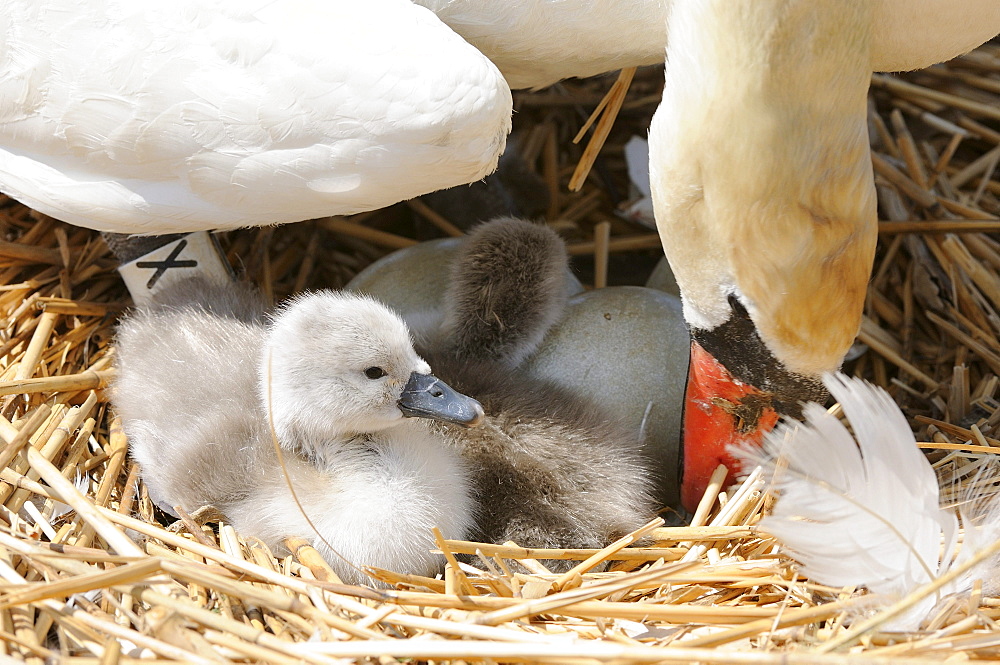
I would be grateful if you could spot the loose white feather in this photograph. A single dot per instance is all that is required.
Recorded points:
(866, 513)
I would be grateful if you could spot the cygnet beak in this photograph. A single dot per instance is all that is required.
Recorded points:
(426, 396)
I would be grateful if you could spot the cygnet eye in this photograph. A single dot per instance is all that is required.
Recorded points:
(375, 372)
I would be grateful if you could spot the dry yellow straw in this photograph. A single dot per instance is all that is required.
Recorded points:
(602, 236)
(608, 111)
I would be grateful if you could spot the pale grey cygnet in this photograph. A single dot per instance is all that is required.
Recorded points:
(201, 369)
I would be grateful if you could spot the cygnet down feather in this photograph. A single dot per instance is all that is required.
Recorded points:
(550, 468)
(201, 369)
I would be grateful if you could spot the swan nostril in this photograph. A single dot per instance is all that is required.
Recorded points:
(437, 392)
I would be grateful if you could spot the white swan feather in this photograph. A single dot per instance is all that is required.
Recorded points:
(866, 513)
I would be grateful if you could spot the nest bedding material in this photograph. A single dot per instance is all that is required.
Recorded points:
(90, 573)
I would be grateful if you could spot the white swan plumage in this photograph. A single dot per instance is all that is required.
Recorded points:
(538, 42)
(864, 510)
(210, 114)
(764, 196)
(159, 117)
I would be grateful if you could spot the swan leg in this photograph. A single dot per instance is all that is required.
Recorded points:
(150, 264)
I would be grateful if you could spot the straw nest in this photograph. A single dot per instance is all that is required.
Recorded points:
(90, 573)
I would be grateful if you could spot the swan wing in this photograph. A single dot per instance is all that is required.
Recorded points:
(157, 117)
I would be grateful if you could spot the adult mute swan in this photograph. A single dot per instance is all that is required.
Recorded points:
(154, 118)
(160, 117)
(764, 197)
